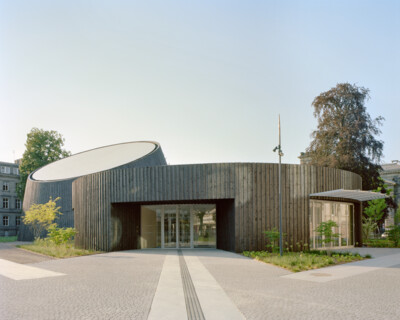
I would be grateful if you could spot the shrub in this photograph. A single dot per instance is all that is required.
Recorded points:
(380, 243)
(41, 217)
(273, 239)
(368, 228)
(60, 235)
(394, 234)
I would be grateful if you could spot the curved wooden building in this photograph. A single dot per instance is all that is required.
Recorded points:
(109, 205)
(126, 197)
(55, 179)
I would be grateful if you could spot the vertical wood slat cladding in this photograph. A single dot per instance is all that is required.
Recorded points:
(39, 192)
(253, 189)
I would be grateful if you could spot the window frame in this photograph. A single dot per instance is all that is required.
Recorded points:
(6, 203)
(17, 203)
(6, 221)
(6, 186)
(5, 169)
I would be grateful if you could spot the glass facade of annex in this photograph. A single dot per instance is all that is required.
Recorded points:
(339, 212)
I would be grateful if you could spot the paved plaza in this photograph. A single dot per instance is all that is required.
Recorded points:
(201, 284)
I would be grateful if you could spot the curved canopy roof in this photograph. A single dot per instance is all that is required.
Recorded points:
(357, 195)
(95, 160)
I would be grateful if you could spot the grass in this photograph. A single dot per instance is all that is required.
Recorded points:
(302, 261)
(48, 248)
(380, 243)
(8, 239)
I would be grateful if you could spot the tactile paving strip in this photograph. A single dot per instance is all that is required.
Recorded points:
(193, 308)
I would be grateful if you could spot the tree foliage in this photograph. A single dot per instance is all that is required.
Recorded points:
(326, 232)
(42, 147)
(40, 217)
(376, 209)
(346, 134)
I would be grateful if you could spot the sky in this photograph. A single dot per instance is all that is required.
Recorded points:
(205, 79)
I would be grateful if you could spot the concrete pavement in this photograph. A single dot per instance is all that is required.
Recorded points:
(125, 285)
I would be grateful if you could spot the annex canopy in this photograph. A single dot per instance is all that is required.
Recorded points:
(341, 194)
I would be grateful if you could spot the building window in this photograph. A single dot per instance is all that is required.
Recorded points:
(15, 170)
(17, 204)
(5, 186)
(5, 220)
(5, 169)
(5, 203)
(17, 220)
(339, 212)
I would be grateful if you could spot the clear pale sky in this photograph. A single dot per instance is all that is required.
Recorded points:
(206, 79)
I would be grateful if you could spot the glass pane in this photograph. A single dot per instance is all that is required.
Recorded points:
(204, 226)
(351, 226)
(170, 227)
(150, 221)
(335, 218)
(184, 227)
(341, 213)
(317, 221)
(344, 224)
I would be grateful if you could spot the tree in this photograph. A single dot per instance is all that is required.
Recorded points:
(42, 147)
(345, 138)
(374, 213)
(325, 230)
(40, 217)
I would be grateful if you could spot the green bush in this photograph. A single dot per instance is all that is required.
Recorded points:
(300, 261)
(60, 235)
(368, 228)
(380, 243)
(394, 234)
(273, 239)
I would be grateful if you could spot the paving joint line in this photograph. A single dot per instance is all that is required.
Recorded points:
(193, 307)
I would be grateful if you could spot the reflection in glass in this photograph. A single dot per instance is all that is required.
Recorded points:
(204, 226)
(192, 225)
(184, 227)
(341, 213)
(150, 227)
(170, 227)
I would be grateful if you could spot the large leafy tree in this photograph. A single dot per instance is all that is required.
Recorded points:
(346, 134)
(42, 147)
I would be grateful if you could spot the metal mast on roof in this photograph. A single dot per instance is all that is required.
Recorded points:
(280, 153)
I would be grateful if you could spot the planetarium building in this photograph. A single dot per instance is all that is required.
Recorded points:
(125, 196)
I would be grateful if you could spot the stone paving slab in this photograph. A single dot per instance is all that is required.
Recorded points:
(214, 302)
(169, 301)
(121, 285)
(17, 271)
(260, 291)
(116, 285)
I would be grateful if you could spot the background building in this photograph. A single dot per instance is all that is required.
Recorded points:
(10, 205)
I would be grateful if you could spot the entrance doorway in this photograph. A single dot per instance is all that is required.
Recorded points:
(178, 226)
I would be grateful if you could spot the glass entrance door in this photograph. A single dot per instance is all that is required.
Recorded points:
(184, 227)
(170, 227)
(178, 226)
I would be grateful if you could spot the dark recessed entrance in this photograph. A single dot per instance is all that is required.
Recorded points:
(178, 226)
(200, 224)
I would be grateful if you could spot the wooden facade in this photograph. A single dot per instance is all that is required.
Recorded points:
(105, 203)
(38, 191)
